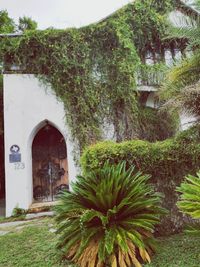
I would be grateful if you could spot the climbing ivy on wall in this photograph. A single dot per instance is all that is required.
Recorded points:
(93, 69)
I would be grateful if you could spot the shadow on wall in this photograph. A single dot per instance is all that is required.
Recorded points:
(2, 174)
(2, 178)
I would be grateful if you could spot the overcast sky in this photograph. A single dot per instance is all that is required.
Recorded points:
(61, 13)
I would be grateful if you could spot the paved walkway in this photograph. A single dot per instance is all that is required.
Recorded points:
(13, 224)
(8, 227)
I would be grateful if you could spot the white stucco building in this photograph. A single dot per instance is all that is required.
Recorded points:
(28, 108)
(32, 116)
(39, 159)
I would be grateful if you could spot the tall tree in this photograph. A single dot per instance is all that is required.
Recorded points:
(7, 24)
(26, 23)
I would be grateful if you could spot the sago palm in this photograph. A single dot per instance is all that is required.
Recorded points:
(108, 218)
(189, 202)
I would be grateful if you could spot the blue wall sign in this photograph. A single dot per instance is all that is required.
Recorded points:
(15, 156)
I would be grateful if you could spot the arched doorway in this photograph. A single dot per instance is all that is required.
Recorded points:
(50, 170)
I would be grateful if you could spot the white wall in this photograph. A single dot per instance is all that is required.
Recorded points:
(186, 121)
(178, 19)
(151, 101)
(27, 104)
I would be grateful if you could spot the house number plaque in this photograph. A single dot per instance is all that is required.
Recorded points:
(19, 165)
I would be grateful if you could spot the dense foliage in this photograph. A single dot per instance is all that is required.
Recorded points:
(6, 23)
(109, 218)
(93, 69)
(167, 162)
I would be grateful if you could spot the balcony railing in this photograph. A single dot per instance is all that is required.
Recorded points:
(151, 75)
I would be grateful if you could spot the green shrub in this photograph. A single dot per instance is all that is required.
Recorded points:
(189, 202)
(167, 162)
(18, 212)
(109, 218)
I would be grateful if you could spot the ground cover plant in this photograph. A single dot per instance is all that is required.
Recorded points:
(109, 218)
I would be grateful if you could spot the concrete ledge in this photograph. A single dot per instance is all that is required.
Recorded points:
(41, 207)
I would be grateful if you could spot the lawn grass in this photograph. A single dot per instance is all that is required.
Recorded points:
(12, 218)
(34, 246)
(177, 251)
(31, 246)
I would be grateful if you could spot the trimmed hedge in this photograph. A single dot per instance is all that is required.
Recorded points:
(167, 162)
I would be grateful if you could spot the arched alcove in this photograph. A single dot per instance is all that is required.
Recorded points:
(49, 164)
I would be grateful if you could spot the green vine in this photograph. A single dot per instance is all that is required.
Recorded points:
(93, 69)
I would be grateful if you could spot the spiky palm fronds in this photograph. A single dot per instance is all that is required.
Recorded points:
(189, 202)
(188, 100)
(109, 218)
(189, 30)
(186, 27)
(187, 72)
(190, 196)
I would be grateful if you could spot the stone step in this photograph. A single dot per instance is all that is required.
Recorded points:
(30, 216)
(41, 207)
